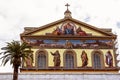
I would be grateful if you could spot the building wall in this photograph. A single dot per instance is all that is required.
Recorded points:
(78, 56)
(75, 37)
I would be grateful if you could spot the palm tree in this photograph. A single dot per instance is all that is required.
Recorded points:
(15, 52)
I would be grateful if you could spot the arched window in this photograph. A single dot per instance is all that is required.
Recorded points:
(42, 60)
(97, 60)
(69, 60)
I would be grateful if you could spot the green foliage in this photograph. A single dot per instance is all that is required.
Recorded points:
(15, 52)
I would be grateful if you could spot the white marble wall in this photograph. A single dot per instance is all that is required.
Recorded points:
(63, 76)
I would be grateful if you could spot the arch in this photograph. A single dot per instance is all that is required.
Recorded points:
(42, 59)
(69, 59)
(97, 59)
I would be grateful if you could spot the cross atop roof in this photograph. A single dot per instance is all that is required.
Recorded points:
(67, 5)
(67, 13)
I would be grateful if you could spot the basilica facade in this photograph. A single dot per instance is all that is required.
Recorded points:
(69, 45)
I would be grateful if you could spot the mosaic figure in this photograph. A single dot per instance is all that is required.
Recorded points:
(81, 32)
(68, 44)
(68, 29)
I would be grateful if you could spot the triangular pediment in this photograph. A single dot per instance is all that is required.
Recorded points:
(68, 26)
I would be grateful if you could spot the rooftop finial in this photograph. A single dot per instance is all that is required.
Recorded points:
(67, 5)
(67, 12)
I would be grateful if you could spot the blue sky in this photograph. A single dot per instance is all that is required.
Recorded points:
(17, 14)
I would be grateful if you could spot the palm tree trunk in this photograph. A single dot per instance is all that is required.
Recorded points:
(15, 74)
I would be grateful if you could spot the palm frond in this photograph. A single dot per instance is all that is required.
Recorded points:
(5, 59)
(14, 50)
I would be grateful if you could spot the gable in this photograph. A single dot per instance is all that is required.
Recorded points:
(77, 28)
(51, 29)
